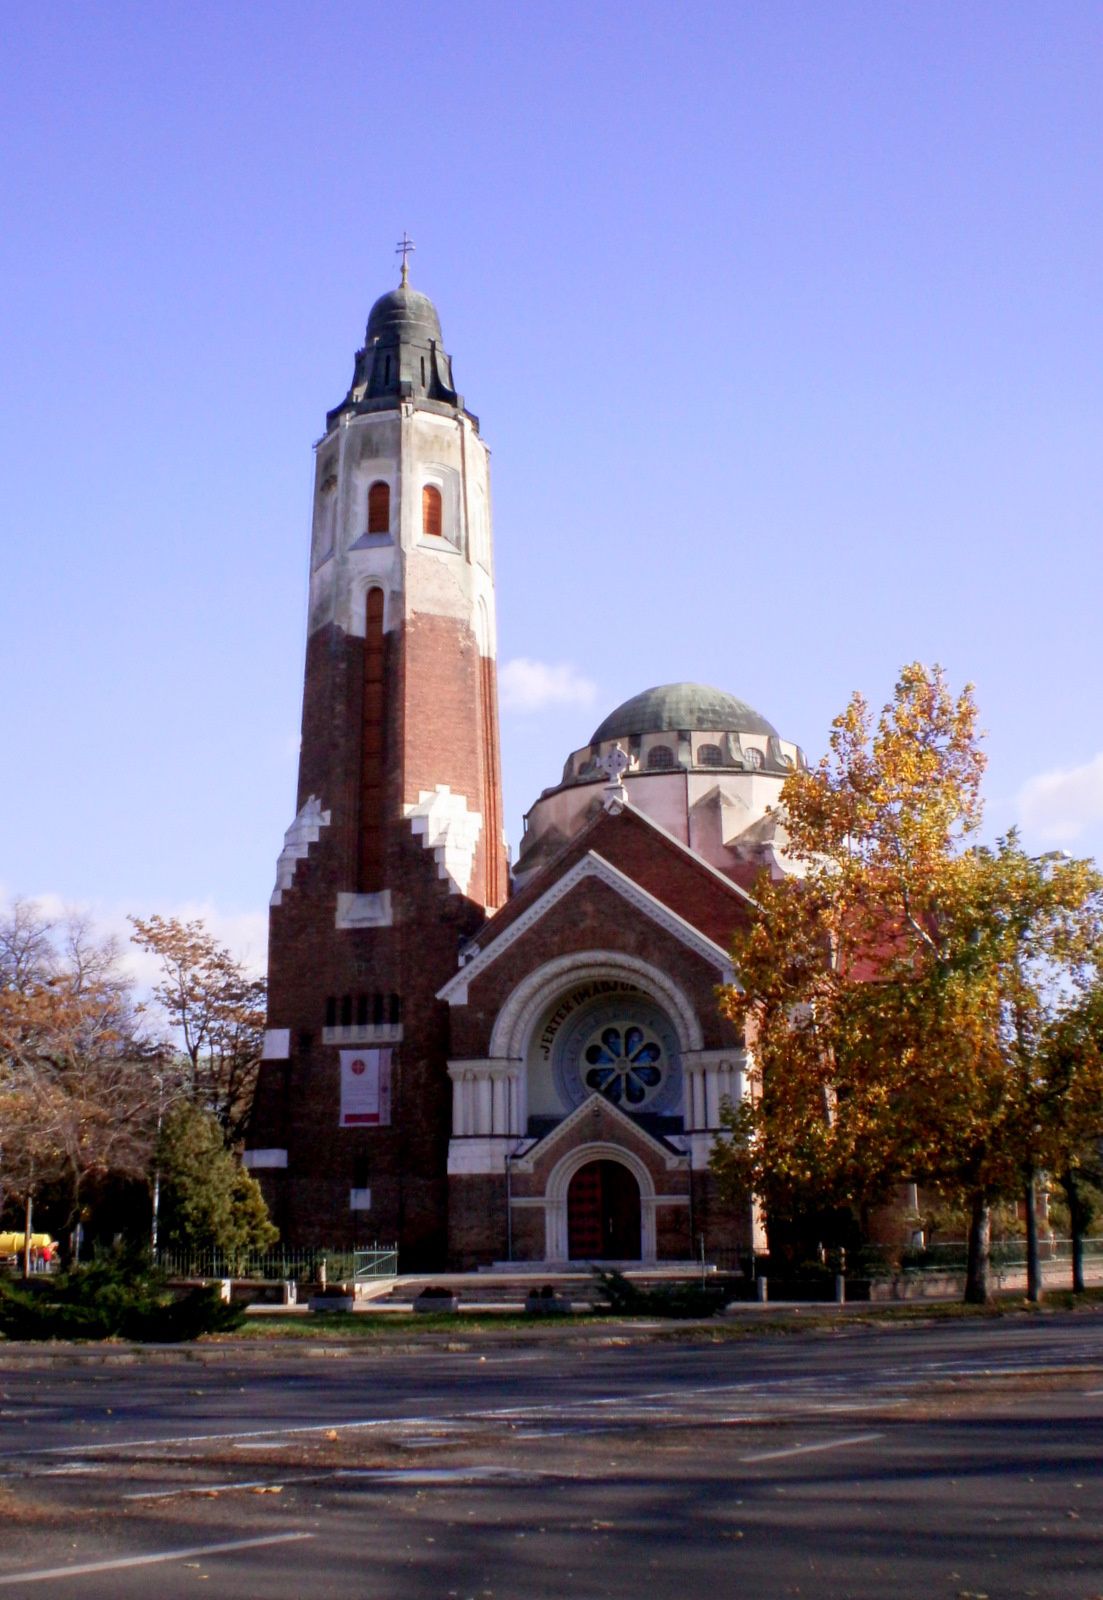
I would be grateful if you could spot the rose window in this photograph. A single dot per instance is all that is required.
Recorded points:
(622, 1065)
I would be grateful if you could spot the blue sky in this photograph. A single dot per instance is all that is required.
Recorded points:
(784, 324)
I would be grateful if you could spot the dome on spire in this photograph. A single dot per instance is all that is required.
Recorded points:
(403, 356)
(404, 313)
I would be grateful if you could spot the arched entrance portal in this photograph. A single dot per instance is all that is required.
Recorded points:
(603, 1213)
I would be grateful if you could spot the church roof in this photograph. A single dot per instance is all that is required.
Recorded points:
(682, 708)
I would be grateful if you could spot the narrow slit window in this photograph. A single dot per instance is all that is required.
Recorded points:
(379, 508)
(432, 512)
(423, 372)
(371, 750)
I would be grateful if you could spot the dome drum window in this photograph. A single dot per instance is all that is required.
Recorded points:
(709, 755)
(660, 758)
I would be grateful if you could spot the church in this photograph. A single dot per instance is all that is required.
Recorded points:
(484, 1065)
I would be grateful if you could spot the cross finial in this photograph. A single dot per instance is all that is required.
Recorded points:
(403, 250)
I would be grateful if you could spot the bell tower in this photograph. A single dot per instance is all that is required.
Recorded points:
(396, 853)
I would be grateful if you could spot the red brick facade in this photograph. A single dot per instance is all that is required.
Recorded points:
(391, 927)
(432, 677)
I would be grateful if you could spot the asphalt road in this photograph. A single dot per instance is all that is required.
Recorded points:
(961, 1459)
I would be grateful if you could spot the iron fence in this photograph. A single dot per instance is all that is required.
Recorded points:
(952, 1255)
(282, 1265)
(947, 1256)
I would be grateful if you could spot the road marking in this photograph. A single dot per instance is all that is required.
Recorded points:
(440, 1475)
(414, 1475)
(208, 1438)
(220, 1488)
(812, 1449)
(156, 1559)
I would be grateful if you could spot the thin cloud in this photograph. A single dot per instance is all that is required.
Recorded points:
(1060, 806)
(527, 685)
(244, 933)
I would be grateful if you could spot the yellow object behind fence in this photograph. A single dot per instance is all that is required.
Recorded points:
(12, 1243)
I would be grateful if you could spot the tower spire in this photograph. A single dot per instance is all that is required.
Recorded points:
(403, 250)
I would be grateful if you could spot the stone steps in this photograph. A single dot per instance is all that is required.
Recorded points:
(508, 1284)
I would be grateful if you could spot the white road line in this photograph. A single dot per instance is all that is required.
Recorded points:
(81, 1570)
(77, 1449)
(812, 1449)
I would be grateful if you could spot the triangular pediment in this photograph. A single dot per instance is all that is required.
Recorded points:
(477, 960)
(565, 1133)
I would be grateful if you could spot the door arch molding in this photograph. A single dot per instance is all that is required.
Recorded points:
(556, 1242)
(522, 1010)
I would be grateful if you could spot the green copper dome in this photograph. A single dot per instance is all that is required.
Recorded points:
(682, 708)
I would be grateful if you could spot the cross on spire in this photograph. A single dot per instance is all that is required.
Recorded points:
(403, 250)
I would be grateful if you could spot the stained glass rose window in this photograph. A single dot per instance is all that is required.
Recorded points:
(622, 1065)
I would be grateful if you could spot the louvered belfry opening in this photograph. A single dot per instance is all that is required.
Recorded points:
(371, 750)
(432, 518)
(379, 508)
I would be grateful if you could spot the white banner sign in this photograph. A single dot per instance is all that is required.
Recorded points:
(365, 1088)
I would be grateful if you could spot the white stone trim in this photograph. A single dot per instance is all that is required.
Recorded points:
(450, 830)
(365, 573)
(487, 1098)
(671, 1159)
(711, 1077)
(475, 1157)
(591, 865)
(297, 841)
(252, 1160)
(521, 1012)
(277, 1044)
(364, 910)
(364, 1033)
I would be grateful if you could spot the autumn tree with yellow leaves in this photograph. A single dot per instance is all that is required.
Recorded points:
(901, 993)
(215, 1006)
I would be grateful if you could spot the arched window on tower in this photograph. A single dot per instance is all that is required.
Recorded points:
(371, 750)
(432, 512)
(379, 508)
(659, 758)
